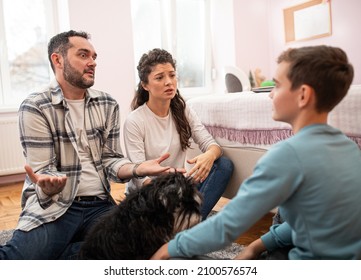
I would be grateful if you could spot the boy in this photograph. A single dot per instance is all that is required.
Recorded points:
(314, 177)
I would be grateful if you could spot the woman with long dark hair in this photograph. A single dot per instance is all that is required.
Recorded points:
(161, 122)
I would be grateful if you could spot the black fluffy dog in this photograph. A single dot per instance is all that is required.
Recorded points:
(145, 220)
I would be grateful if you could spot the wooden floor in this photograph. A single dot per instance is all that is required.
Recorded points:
(10, 209)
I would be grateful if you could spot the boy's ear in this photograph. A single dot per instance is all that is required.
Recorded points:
(306, 96)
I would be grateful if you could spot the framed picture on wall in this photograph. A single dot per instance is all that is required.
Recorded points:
(309, 20)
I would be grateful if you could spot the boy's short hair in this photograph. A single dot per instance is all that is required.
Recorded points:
(324, 68)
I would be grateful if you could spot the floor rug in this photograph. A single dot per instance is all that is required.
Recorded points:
(227, 253)
(5, 235)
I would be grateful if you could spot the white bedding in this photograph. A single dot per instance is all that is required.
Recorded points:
(246, 117)
(240, 117)
(347, 115)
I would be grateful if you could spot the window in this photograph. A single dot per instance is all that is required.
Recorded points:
(25, 27)
(182, 28)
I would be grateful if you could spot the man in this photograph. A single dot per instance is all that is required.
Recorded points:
(70, 136)
(314, 177)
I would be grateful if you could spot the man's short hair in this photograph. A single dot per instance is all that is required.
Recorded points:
(60, 43)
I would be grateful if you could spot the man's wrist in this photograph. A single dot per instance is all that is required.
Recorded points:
(134, 171)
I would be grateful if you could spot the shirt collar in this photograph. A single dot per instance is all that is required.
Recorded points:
(58, 97)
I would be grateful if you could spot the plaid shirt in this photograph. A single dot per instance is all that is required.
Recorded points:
(48, 138)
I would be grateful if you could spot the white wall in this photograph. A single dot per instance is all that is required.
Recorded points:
(248, 34)
(223, 36)
(252, 35)
(346, 22)
(109, 22)
(260, 37)
(110, 25)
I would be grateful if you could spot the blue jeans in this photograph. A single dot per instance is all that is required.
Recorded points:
(215, 184)
(60, 239)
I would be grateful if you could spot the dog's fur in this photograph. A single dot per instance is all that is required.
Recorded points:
(145, 220)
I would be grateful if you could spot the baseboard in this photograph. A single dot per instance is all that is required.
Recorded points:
(9, 179)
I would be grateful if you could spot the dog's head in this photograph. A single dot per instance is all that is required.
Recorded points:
(179, 197)
(145, 220)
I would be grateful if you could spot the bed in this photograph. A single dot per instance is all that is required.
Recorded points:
(242, 124)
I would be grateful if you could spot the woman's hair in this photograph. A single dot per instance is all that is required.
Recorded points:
(326, 69)
(177, 105)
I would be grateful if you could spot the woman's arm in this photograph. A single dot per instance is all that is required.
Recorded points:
(211, 151)
(135, 147)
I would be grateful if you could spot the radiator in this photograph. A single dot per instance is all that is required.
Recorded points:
(11, 155)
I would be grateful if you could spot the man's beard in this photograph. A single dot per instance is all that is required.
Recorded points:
(74, 77)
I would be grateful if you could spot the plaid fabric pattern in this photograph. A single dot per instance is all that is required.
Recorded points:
(49, 143)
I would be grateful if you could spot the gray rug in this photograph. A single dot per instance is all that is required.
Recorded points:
(227, 253)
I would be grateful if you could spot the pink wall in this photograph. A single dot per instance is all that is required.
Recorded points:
(110, 26)
(251, 35)
(259, 46)
(111, 29)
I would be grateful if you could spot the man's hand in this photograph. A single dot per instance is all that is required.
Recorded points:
(49, 184)
(147, 168)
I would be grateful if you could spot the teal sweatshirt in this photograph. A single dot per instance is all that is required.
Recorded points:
(314, 177)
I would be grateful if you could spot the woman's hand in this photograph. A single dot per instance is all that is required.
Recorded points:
(202, 166)
(203, 163)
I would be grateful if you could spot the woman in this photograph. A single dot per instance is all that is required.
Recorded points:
(160, 121)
